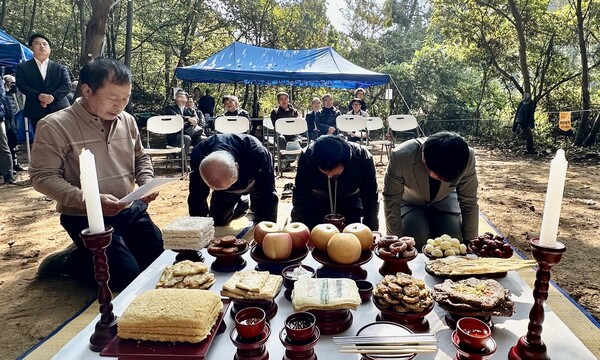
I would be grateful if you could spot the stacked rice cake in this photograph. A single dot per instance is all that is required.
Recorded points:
(188, 233)
(186, 274)
(251, 284)
(182, 315)
(325, 294)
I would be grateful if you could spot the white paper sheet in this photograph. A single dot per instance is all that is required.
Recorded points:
(148, 188)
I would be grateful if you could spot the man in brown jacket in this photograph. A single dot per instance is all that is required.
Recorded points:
(97, 122)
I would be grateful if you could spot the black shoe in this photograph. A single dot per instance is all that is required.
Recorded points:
(240, 209)
(8, 179)
(288, 190)
(17, 167)
(55, 264)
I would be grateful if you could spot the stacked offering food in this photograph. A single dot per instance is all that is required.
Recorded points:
(186, 274)
(251, 284)
(183, 315)
(325, 294)
(188, 233)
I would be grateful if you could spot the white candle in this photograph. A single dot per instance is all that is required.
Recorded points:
(91, 193)
(554, 194)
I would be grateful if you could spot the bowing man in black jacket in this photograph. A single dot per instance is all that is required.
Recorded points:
(44, 82)
(232, 165)
(335, 176)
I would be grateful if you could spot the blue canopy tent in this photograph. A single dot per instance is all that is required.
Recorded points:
(12, 52)
(248, 64)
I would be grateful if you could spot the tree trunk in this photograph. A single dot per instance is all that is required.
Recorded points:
(82, 55)
(585, 86)
(128, 33)
(167, 79)
(32, 21)
(591, 139)
(3, 18)
(95, 32)
(522, 46)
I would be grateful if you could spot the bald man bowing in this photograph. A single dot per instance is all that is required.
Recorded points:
(232, 165)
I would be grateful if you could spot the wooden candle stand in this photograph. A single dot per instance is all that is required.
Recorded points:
(106, 327)
(531, 346)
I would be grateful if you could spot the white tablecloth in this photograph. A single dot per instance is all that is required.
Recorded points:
(561, 342)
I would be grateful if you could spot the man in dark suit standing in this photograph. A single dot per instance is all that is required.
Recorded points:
(44, 82)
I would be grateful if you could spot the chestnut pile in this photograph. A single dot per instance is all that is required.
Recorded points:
(490, 245)
(392, 247)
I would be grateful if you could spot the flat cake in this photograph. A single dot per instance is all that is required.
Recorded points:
(473, 297)
(170, 315)
(188, 233)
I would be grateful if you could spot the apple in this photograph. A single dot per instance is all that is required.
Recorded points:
(300, 234)
(362, 232)
(320, 235)
(277, 245)
(263, 228)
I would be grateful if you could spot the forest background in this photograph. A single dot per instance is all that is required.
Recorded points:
(457, 64)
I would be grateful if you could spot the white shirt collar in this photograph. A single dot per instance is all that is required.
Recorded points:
(42, 66)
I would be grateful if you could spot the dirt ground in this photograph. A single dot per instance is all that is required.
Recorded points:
(512, 193)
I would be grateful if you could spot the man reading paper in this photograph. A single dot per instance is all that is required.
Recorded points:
(96, 121)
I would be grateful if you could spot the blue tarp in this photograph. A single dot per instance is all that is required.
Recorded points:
(248, 64)
(12, 51)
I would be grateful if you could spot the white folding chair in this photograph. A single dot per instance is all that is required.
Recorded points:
(350, 123)
(232, 124)
(288, 126)
(166, 124)
(269, 140)
(376, 123)
(404, 123)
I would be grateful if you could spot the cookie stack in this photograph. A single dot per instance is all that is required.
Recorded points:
(251, 284)
(186, 274)
(402, 293)
(188, 233)
(170, 315)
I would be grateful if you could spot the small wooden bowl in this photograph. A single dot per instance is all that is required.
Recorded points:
(250, 322)
(300, 326)
(365, 290)
(473, 333)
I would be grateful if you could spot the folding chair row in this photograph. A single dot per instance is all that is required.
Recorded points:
(167, 124)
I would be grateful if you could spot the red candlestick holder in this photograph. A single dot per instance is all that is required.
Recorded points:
(531, 346)
(106, 327)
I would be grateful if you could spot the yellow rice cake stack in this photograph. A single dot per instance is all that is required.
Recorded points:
(188, 233)
(184, 315)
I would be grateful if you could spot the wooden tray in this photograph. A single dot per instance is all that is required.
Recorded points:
(135, 349)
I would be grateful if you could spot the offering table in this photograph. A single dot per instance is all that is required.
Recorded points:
(561, 342)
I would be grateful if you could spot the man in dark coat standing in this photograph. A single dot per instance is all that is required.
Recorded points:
(44, 82)
(525, 118)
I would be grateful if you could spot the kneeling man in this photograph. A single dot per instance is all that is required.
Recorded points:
(232, 165)
(430, 189)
